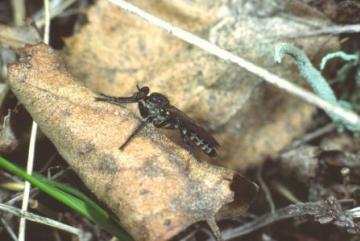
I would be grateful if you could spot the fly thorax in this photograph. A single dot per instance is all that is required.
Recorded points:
(154, 110)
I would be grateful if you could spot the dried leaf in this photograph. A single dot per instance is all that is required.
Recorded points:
(154, 186)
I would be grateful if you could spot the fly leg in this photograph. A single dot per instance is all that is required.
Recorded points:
(135, 132)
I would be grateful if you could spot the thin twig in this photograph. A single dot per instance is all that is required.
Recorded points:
(9, 176)
(355, 212)
(55, 11)
(8, 229)
(265, 189)
(34, 191)
(313, 135)
(328, 211)
(18, 7)
(39, 219)
(350, 116)
(29, 168)
(284, 191)
(334, 30)
(262, 221)
(31, 154)
(12, 186)
(47, 21)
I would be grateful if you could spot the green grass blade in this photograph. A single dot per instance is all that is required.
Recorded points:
(73, 198)
(73, 192)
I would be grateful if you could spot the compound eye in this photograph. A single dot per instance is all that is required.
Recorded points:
(143, 92)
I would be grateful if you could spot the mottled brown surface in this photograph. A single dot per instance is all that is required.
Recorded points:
(154, 186)
(251, 119)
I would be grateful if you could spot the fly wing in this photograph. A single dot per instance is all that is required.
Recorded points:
(192, 126)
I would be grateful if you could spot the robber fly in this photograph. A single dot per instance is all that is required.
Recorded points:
(156, 109)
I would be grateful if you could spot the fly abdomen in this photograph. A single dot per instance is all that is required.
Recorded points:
(199, 142)
(208, 149)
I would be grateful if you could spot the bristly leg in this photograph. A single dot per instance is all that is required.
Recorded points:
(134, 133)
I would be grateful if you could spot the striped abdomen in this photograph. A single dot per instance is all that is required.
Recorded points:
(198, 141)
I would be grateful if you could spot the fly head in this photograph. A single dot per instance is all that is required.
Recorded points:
(142, 92)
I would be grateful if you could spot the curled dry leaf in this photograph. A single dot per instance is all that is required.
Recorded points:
(154, 186)
(252, 120)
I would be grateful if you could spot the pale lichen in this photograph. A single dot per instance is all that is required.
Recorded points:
(317, 82)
